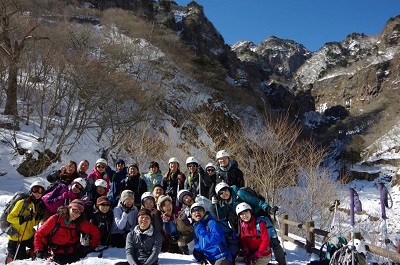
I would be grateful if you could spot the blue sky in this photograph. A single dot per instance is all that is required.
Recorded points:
(311, 23)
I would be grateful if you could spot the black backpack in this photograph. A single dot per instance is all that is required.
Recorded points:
(5, 226)
(254, 193)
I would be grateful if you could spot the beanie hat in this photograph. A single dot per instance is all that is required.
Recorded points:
(161, 200)
(127, 194)
(77, 204)
(182, 194)
(120, 161)
(144, 211)
(134, 165)
(103, 199)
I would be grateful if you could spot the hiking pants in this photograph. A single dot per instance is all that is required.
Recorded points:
(278, 251)
(22, 251)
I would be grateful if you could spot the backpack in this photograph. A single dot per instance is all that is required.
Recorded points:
(332, 245)
(343, 257)
(231, 238)
(5, 226)
(254, 193)
(270, 227)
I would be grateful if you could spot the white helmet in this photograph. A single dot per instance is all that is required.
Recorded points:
(182, 193)
(191, 160)
(210, 165)
(101, 183)
(146, 195)
(38, 183)
(359, 245)
(173, 159)
(101, 160)
(80, 181)
(197, 204)
(241, 207)
(222, 153)
(220, 186)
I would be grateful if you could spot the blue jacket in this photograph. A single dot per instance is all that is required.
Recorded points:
(114, 192)
(209, 239)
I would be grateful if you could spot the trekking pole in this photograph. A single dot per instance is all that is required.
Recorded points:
(22, 236)
(281, 232)
(382, 196)
(333, 208)
(352, 223)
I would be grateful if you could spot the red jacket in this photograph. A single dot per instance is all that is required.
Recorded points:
(66, 238)
(251, 240)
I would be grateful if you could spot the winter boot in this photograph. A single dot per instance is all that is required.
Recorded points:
(184, 250)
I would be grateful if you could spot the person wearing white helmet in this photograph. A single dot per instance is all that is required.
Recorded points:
(62, 194)
(209, 242)
(23, 217)
(197, 181)
(100, 189)
(174, 180)
(149, 203)
(254, 237)
(210, 170)
(227, 171)
(98, 172)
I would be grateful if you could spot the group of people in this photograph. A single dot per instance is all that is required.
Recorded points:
(145, 214)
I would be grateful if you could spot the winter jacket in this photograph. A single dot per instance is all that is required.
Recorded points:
(143, 247)
(227, 209)
(172, 183)
(153, 179)
(192, 183)
(66, 239)
(231, 175)
(124, 222)
(136, 184)
(114, 192)
(253, 241)
(209, 239)
(13, 218)
(61, 195)
(95, 175)
(104, 222)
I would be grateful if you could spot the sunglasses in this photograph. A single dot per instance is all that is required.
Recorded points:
(191, 166)
(39, 190)
(197, 209)
(210, 170)
(101, 166)
(120, 163)
(79, 187)
(104, 204)
(76, 211)
(222, 191)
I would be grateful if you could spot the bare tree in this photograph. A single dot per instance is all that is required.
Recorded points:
(16, 29)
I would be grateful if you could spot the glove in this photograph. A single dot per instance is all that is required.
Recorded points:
(86, 250)
(274, 210)
(26, 218)
(244, 252)
(214, 200)
(39, 255)
(165, 218)
(199, 255)
(253, 258)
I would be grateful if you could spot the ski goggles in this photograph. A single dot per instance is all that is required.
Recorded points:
(78, 186)
(222, 191)
(39, 190)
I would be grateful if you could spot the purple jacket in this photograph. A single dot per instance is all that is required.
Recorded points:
(60, 196)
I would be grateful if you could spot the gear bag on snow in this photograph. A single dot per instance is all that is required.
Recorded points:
(5, 226)
(343, 256)
(332, 245)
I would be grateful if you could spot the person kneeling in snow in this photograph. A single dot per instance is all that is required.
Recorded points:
(253, 236)
(210, 244)
(59, 236)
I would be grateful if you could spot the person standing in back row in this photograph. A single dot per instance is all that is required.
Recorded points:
(227, 171)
